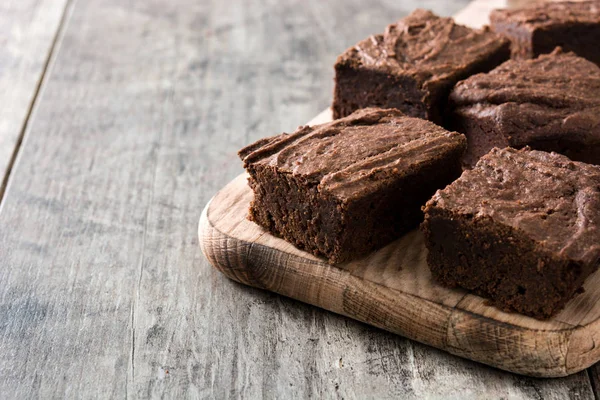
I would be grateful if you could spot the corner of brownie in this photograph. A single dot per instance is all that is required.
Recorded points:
(347, 187)
(522, 228)
(413, 65)
(539, 28)
(550, 103)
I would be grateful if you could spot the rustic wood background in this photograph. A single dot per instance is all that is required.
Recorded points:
(118, 121)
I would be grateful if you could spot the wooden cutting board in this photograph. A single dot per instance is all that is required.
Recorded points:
(392, 288)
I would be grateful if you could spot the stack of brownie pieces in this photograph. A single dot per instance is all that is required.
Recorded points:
(508, 148)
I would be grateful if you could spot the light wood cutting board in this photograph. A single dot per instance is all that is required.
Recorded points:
(392, 288)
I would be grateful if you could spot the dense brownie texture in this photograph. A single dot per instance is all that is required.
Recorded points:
(413, 65)
(347, 187)
(535, 30)
(551, 103)
(521, 228)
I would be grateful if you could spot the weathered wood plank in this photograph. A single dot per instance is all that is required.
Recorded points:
(594, 375)
(103, 290)
(27, 32)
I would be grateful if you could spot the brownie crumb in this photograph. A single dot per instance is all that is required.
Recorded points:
(550, 103)
(538, 29)
(521, 229)
(344, 188)
(413, 65)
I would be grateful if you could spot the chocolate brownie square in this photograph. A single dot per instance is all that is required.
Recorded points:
(538, 29)
(413, 65)
(550, 103)
(522, 228)
(347, 187)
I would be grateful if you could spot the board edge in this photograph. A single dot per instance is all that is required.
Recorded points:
(233, 258)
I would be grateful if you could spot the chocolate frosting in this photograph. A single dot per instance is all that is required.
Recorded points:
(554, 200)
(353, 156)
(424, 46)
(556, 96)
(551, 13)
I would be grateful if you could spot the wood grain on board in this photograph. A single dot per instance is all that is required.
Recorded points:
(392, 289)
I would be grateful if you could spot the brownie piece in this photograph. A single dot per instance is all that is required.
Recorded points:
(413, 65)
(538, 29)
(522, 228)
(550, 103)
(347, 187)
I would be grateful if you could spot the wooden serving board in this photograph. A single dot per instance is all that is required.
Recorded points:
(392, 288)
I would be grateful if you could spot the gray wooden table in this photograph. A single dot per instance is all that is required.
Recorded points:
(118, 121)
